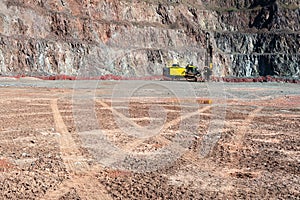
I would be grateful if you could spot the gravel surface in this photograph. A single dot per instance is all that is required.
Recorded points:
(149, 140)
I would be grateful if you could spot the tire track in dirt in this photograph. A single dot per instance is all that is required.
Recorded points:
(242, 129)
(132, 145)
(208, 165)
(67, 145)
(174, 122)
(205, 164)
(82, 176)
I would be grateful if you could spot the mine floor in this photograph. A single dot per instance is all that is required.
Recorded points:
(149, 140)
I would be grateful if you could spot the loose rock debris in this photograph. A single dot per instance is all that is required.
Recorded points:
(256, 157)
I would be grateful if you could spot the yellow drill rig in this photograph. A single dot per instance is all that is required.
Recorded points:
(190, 72)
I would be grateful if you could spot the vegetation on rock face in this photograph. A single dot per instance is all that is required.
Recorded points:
(137, 38)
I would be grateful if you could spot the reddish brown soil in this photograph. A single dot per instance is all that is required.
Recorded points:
(43, 157)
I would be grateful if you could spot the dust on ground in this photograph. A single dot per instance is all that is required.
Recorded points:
(44, 156)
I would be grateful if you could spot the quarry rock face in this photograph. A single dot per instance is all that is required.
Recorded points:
(247, 38)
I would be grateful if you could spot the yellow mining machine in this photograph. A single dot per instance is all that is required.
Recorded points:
(175, 71)
(191, 72)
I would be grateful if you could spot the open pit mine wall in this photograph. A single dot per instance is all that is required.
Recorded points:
(138, 38)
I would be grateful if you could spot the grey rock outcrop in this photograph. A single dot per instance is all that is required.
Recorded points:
(138, 38)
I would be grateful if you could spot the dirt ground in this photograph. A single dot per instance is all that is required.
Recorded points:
(243, 144)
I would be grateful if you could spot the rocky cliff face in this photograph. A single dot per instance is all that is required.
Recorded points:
(138, 38)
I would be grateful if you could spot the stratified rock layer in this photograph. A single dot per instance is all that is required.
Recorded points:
(138, 38)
